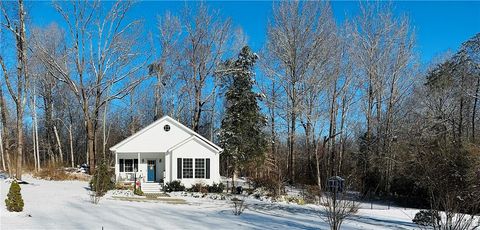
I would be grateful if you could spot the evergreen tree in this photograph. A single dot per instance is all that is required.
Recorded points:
(101, 181)
(241, 135)
(14, 201)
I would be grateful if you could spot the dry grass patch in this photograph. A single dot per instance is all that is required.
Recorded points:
(59, 174)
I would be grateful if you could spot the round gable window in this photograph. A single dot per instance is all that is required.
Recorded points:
(166, 128)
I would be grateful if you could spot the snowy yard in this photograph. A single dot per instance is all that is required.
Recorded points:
(66, 205)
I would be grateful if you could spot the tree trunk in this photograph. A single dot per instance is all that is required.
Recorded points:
(2, 152)
(293, 118)
(49, 120)
(104, 132)
(474, 112)
(34, 147)
(22, 77)
(4, 122)
(343, 137)
(37, 145)
(19, 169)
(198, 110)
(70, 138)
(90, 145)
(35, 131)
(332, 129)
(59, 144)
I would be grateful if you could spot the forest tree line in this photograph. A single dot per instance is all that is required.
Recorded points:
(347, 98)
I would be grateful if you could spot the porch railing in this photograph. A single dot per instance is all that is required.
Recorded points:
(127, 176)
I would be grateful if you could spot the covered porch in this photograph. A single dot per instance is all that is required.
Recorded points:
(144, 167)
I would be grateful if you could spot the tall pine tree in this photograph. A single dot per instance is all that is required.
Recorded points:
(241, 135)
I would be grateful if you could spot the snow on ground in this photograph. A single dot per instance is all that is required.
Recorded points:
(66, 205)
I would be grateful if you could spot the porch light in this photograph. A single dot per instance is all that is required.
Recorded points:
(143, 160)
(159, 160)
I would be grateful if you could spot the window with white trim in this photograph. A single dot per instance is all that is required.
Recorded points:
(128, 165)
(199, 168)
(187, 168)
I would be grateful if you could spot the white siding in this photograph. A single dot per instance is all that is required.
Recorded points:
(154, 143)
(195, 148)
(154, 139)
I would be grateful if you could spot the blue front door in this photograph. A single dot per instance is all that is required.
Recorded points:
(151, 170)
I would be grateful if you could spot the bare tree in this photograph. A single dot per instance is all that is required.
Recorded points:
(293, 51)
(382, 52)
(46, 43)
(5, 139)
(104, 51)
(166, 67)
(337, 207)
(207, 36)
(19, 92)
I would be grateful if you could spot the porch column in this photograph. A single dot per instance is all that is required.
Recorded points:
(138, 165)
(168, 166)
(116, 167)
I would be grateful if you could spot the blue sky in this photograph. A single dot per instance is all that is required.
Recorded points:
(439, 25)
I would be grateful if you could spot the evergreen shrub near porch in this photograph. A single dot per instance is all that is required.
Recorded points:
(174, 186)
(102, 180)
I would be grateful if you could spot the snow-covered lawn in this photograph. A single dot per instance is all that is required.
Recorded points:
(66, 205)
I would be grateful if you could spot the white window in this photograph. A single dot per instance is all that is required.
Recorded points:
(187, 168)
(128, 165)
(199, 168)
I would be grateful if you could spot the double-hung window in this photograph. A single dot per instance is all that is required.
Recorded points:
(199, 168)
(187, 168)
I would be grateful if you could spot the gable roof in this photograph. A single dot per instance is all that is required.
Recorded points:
(173, 121)
(193, 138)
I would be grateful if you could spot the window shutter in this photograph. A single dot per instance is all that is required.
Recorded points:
(207, 168)
(122, 168)
(179, 168)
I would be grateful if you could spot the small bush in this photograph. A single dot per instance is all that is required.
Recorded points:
(174, 186)
(198, 187)
(269, 184)
(238, 206)
(14, 201)
(123, 186)
(311, 194)
(53, 173)
(102, 180)
(138, 192)
(301, 201)
(427, 218)
(297, 200)
(216, 188)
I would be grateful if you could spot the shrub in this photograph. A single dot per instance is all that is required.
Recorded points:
(238, 206)
(138, 192)
(311, 194)
(14, 201)
(297, 200)
(198, 187)
(174, 186)
(216, 188)
(268, 183)
(427, 218)
(123, 186)
(52, 172)
(102, 180)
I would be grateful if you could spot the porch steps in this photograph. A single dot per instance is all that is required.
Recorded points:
(151, 188)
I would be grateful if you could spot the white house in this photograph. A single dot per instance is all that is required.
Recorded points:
(165, 151)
